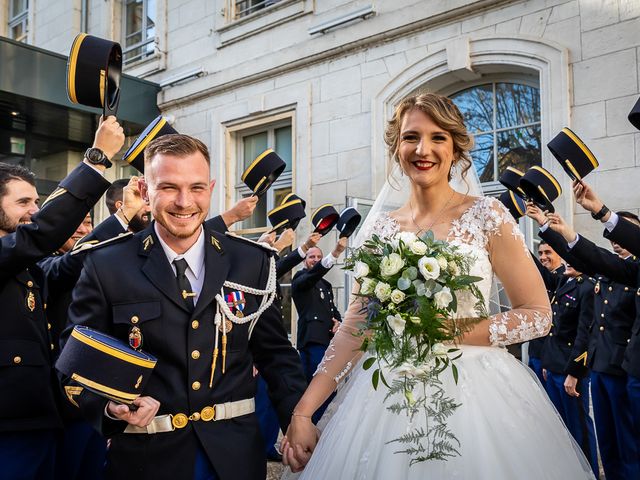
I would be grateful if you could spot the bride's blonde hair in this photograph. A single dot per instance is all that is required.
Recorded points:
(445, 114)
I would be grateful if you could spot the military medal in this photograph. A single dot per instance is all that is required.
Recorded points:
(235, 300)
(135, 338)
(227, 324)
(31, 301)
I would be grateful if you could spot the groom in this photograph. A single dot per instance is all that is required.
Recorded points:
(135, 285)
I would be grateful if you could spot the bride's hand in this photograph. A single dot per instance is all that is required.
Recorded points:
(299, 442)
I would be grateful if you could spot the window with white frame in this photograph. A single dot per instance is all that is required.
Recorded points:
(242, 8)
(250, 143)
(504, 118)
(19, 20)
(139, 29)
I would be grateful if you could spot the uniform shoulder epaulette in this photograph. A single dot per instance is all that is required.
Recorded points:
(580, 279)
(261, 245)
(95, 244)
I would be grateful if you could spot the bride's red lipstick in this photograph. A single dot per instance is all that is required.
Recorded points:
(424, 168)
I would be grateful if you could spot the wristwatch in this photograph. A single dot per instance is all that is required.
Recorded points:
(97, 157)
(603, 211)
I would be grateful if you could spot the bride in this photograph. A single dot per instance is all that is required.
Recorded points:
(506, 425)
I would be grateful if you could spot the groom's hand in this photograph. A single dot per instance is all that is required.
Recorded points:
(299, 442)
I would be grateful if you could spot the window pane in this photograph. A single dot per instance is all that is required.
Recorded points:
(482, 155)
(284, 145)
(253, 145)
(476, 106)
(516, 104)
(18, 7)
(259, 217)
(17, 32)
(519, 148)
(134, 12)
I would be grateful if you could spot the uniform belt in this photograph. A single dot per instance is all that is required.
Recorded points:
(222, 411)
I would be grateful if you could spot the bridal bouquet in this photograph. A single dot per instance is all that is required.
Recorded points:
(410, 285)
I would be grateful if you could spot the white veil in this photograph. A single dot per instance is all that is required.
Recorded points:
(395, 193)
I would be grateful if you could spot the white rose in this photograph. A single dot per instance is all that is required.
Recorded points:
(408, 238)
(443, 298)
(440, 350)
(454, 269)
(368, 286)
(360, 269)
(391, 264)
(397, 323)
(429, 267)
(382, 291)
(397, 296)
(418, 247)
(442, 262)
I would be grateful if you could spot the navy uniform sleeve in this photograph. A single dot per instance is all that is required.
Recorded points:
(287, 263)
(306, 279)
(90, 308)
(217, 224)
(577, 365)
(609, 264)
(59, 217)
(277, 361)
(626, 234)
(559, 245)
(62, 272)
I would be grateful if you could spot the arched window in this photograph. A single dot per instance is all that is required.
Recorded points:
(504, 118)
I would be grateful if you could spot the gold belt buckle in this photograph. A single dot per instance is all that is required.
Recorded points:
(179, 420)
(208, 413)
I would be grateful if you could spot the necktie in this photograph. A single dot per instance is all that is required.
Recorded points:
(183, 283)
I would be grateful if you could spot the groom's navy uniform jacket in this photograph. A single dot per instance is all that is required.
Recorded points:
(313, 296)
(27, 380)
(134, 280)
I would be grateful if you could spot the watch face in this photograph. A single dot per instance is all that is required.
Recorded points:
(94, 155)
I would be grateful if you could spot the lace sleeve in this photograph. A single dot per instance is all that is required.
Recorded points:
(530, 316)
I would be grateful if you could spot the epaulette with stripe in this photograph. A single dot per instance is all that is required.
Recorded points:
(261, 245)
(95, 244)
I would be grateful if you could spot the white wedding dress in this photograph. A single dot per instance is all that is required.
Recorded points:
(507, 427)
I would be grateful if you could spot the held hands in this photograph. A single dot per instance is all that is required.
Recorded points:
(109, 137)
(586, 197)
(536, 214)
(299, 442)
(557, 224)
(147, 409)
(570, 384)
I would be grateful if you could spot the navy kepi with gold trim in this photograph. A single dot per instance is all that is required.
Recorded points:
(93, 73)
(572, 153)
(348, 221)
(514, 203)
(510, 178)
(540, 187)
(288, 214)
(263, 171)
(105, 365)
(324, 218)
(156, 129)
(634, 115)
